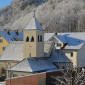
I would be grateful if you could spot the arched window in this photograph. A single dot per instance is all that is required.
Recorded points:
(32, 39)
(27, 39)
(40, 38)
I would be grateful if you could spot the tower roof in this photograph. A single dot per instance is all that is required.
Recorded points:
(34, 25)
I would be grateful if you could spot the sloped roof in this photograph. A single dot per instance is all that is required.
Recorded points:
(61, 38)
(59, 57)
(14, 52)
(33, 65)
(48, 46)
(74, 40)
(34, 25)
(12, 35)
(47, 36)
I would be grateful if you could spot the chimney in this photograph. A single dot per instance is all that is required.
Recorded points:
(17, 32)
(55, 33)
(4, 29)
(8, 32)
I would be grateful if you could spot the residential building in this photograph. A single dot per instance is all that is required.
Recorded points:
(73, 45)
(5, 38)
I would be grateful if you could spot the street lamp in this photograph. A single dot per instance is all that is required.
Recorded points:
(10, 72)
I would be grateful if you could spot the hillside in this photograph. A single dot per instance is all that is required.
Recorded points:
(54, 15)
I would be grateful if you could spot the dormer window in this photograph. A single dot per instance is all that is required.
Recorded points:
(27, 39)
(32, 39)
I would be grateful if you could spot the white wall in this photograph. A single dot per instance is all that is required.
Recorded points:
(81, 56)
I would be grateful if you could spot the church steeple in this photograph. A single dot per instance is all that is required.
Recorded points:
(34, 25)
(34, 39)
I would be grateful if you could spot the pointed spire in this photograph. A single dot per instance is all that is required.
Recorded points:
(34, 25)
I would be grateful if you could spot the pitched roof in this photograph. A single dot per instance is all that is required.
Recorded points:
(48, 46)
(33, 65)
(59, 57)
(34, 25)
(47, 36)
(14, 52)
(12, 35)
(74, 40)
(61, 38)
(41, 64)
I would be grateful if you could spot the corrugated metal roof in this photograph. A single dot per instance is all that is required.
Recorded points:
(11, 36)
(34, 25)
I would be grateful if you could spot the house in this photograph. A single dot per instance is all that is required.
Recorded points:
(73, 45)
(5, 38)
(38, 55)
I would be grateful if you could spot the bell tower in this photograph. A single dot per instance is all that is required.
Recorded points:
(34, 39)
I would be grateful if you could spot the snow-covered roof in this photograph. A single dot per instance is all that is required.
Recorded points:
(47, 36)
(48, 46)
(74, 40)
(41, 64)
(14, 52)
(58, 56)
(33, 65)
(12, 36)
(61, 38)
(34, 25)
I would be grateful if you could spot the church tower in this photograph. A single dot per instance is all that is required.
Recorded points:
(34, 39)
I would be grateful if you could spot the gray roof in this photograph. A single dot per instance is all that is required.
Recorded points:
(41, 64)
(34, 25)
(48, 46)
(47, 36)
(33, 65)
(58, 56)
(14, 52)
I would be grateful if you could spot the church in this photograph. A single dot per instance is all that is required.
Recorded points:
(33, 55)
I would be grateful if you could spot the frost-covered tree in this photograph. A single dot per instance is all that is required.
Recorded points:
(70, 77)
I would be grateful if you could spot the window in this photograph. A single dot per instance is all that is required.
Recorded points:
(71, 54)
(1, 40)
(3, 48)
(40, 38)
(15, 75)
(27, 39)
(58, 44)
(32, 39)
